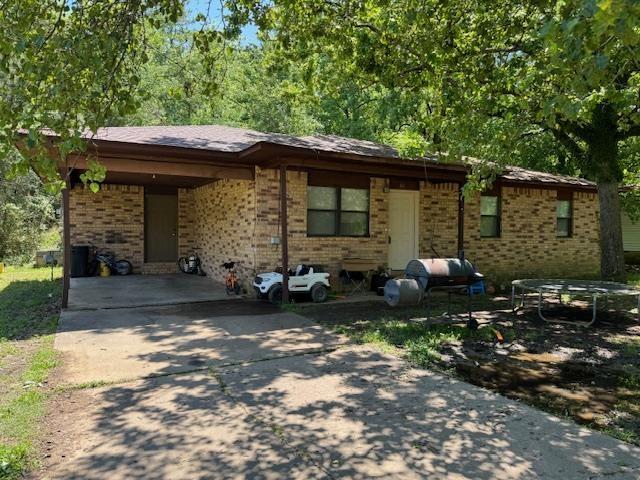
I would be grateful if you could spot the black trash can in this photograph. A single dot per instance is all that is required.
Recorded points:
(79, 260)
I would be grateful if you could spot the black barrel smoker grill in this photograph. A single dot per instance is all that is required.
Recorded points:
(422, 276)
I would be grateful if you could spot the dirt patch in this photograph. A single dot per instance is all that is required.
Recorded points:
(61, 431)
(12, 366)
(588, 374)
(591, 375)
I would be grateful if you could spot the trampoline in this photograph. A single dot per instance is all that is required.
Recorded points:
(593, 289)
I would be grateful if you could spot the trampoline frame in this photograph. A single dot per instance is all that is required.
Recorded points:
(586, 290)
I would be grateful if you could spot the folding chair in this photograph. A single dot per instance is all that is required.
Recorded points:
(357, 281)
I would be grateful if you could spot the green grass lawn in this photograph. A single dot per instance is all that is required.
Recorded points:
(634, 279)
(29, 310)
(400, 330)
(419, 343)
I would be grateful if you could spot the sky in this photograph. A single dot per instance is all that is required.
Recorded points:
(249, 33)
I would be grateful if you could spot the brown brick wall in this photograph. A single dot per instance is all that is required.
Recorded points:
(528, 245)
(186, 222)
(328, 252)
(226, 221)
(113, 220)
(438, 219)
(157, 268)
(224, 218)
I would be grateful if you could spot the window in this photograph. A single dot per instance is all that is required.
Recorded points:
(564, 215)
(334, 211)
(490, 216)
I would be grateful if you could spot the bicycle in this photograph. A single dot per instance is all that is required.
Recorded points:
(232, 286)
(191, 264)
(96, 257)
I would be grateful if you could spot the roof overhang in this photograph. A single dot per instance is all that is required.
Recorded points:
(198, 166)
(140, 162)
(268, 155)
(128, 163)
(546, 185)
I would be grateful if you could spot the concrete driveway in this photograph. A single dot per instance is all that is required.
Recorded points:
(130, 343)
(279, 397)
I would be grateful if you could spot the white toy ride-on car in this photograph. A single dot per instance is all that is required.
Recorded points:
(304, 281)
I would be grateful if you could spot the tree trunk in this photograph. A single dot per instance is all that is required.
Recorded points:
(604, 163)
(612, 252)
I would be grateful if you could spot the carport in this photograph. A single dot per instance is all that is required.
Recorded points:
(155, 165)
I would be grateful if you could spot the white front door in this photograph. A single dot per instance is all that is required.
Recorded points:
(403, 227)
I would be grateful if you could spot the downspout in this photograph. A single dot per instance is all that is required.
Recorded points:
(284, 232)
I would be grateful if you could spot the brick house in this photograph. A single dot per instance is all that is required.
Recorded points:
(169, 190)
(631, 239)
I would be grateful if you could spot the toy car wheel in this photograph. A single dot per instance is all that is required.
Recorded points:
(275, 295)
(319, 293)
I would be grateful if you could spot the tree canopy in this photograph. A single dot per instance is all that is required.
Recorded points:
(569, 70)
(551, 85)
(27, 211)
(70, 66)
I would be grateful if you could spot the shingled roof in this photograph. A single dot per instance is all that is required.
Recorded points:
(518, 174)
(231, 139)
(219, 138)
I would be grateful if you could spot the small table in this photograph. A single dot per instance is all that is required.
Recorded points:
(363, 266)
(587, 288)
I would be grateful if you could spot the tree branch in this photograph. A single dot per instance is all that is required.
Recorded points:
(580, 131)
(54, 27)
(569, 143)
(531, 133)
(633, 131)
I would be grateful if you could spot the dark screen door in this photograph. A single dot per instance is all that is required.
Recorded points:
(161, 227)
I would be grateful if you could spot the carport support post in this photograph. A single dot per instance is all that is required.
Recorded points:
(66, 238)
(284, 233)
(460, 221)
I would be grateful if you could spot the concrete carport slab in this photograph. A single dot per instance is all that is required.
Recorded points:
(129, 343)
(143, 290)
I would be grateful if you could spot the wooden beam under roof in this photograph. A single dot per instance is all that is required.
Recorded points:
(413, 170)
(185, 170)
